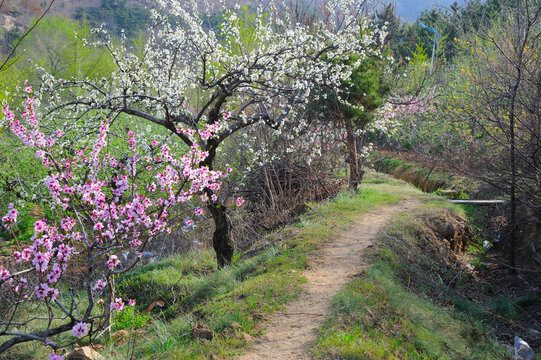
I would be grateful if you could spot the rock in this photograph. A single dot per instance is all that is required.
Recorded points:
(234, 326)
(523, 350)
(9, 22)
(120, 337)
(202, 332)
(247, 337)
(84, 353)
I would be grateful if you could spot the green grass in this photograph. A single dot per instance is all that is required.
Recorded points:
(377, 318)
(403, 307)
(195, 293)
(374, 317)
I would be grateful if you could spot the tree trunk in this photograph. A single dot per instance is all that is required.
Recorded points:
(512, 139)
(360, 160)
(221, 239)
(352, 156)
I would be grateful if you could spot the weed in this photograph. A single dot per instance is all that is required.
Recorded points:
(129, 318)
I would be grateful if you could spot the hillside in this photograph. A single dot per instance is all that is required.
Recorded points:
(259, 184)
(377, 266)
(18, 13)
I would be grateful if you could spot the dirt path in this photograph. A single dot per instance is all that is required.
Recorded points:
(290, 332)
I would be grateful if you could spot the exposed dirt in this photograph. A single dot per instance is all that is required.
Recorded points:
(289, 333)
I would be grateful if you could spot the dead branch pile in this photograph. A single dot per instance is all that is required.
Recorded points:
(279, 191)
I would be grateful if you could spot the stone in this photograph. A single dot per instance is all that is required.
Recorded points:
(247, 337)
(202, 332)
(234, 326)
(120, 337)
(84, 353)
(523, 350)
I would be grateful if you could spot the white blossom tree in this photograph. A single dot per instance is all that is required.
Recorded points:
(189, 79)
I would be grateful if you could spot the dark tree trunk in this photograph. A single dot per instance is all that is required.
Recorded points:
(512, 155)
(521, 42)
(221, 239)
(352, 156)
(360, 160)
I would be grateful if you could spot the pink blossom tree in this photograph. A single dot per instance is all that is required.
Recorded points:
(107, 208)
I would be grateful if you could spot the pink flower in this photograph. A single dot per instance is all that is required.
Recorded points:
(52, 278)
(131, 302)
(98, 226)
(53, 293)
(4, 274)
(239, 201)
(80, 330)
(198, 211)
(39, 226)
(43, 291)
(11, 216)
(118, 305)
(67, 223)
(113, 262)
(100, 284)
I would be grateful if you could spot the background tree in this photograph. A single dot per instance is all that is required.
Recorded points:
(500, 84)
(354, 107)
(366, 90)
(56, 46)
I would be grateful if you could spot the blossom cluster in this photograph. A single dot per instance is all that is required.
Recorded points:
(11, 217)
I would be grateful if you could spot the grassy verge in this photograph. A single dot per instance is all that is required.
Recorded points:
(411, 303)
(426, 177)
(233, 301)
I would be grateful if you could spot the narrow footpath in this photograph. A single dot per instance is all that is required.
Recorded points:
(288, 334)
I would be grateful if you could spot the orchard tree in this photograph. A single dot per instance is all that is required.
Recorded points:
(354, 108)
(188, 79)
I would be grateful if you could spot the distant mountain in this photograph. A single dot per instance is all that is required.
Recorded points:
(18, 13)
(409, 10)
